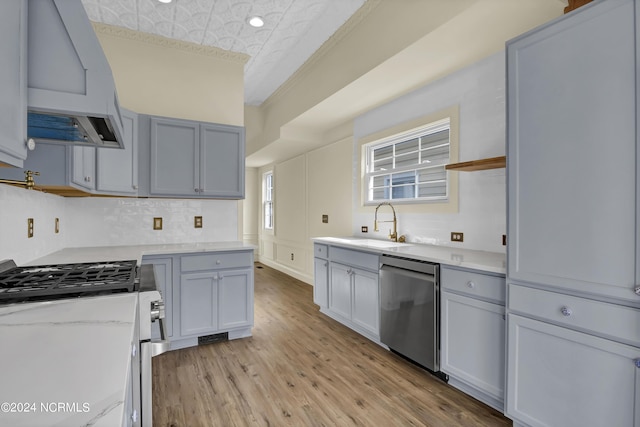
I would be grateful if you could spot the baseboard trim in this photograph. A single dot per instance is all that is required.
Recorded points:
(286, 270)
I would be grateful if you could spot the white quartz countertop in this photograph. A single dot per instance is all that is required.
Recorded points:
(478, 260)
(134, 252)
(66, 362)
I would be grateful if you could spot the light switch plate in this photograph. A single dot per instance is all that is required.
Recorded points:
(197, 222)
(29, 227)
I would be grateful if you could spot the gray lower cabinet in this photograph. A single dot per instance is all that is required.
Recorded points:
(13, 82)
(352, 294)
(473, 333)
(193, 159)
(561, 377)
(83, 167)
(572, 361)
(213, 294)
(321, 281)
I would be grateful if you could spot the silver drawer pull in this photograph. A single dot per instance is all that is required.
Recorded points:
(637, 363)
(471, 285)
(566, 311)
(637, 290)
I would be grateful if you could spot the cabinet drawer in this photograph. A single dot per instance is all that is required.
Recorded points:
(214, 260)
(610, 320)
(355, 258)
(473, 284)
(320, 251)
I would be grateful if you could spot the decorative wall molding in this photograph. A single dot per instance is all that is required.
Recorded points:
(152, 39)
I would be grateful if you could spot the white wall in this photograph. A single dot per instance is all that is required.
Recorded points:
(18, 204)
(479, 90)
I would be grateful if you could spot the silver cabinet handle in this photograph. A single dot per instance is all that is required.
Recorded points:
(135, 187)
(471, 285)
(566, 311)
(133, 351)
(218, 262)
(220, 276)
(637, 363)
(134, 416)
(196, 190)
(637, 290)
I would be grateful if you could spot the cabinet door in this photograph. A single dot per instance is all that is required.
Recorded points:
(117, 170)
(320, 281)
(235, 298)
(340, 289)
(572, 182)
(222, 161)
(559, 377)
(83, 166)
(473, 343)
(198, 303)
(163, 270)
(365, 307)
(174, 154)
(13, 82)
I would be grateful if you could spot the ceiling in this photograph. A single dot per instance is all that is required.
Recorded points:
(292, 32)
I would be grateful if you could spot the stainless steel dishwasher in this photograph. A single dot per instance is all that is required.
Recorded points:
(410, 310)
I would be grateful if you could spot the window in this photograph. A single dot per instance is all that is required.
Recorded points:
(267, 198)
(409, 166)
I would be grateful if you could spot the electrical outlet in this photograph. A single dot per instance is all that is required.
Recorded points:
(504, 240)
(325, 219)
(29, 227)
(56, 227)
(197, 222)
(457, 236)
(364, 229)
(157, 223)
(291, 257)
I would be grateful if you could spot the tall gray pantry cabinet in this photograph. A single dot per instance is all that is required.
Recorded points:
(573, 313)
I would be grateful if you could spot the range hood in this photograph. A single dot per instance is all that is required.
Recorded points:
(71, 96)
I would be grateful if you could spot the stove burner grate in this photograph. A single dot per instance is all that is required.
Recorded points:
(66, 280)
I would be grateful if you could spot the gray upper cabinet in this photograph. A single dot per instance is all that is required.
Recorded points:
(13, 82)
(117, 170)
(222, 161)
(73, 170)
(572, 152)
(174, 155)
(195, 159)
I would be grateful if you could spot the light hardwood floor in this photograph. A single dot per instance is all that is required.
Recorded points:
(302, 368)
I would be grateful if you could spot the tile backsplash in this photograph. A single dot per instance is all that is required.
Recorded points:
(94, 221)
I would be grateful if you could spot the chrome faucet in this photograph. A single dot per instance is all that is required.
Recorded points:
(393, 236)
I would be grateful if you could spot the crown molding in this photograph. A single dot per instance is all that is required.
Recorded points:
(342, 32)
(152, 39)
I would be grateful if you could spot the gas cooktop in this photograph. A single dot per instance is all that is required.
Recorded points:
(48, 282)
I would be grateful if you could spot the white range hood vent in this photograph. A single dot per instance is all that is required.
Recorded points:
(71, 92)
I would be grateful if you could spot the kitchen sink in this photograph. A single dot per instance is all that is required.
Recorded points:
(369, 243)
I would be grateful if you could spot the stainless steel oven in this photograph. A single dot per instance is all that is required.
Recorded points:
(151, 309)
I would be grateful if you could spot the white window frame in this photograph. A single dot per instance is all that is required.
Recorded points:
(267, 201)
(393, 140)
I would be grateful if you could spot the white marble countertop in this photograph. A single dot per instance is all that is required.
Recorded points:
(466, 258)
(133, 252)
(66, 362)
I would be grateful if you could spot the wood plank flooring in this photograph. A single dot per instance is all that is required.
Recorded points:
(302, 368)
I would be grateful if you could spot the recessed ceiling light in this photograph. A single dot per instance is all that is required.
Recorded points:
(165, 1)
(256, 21)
